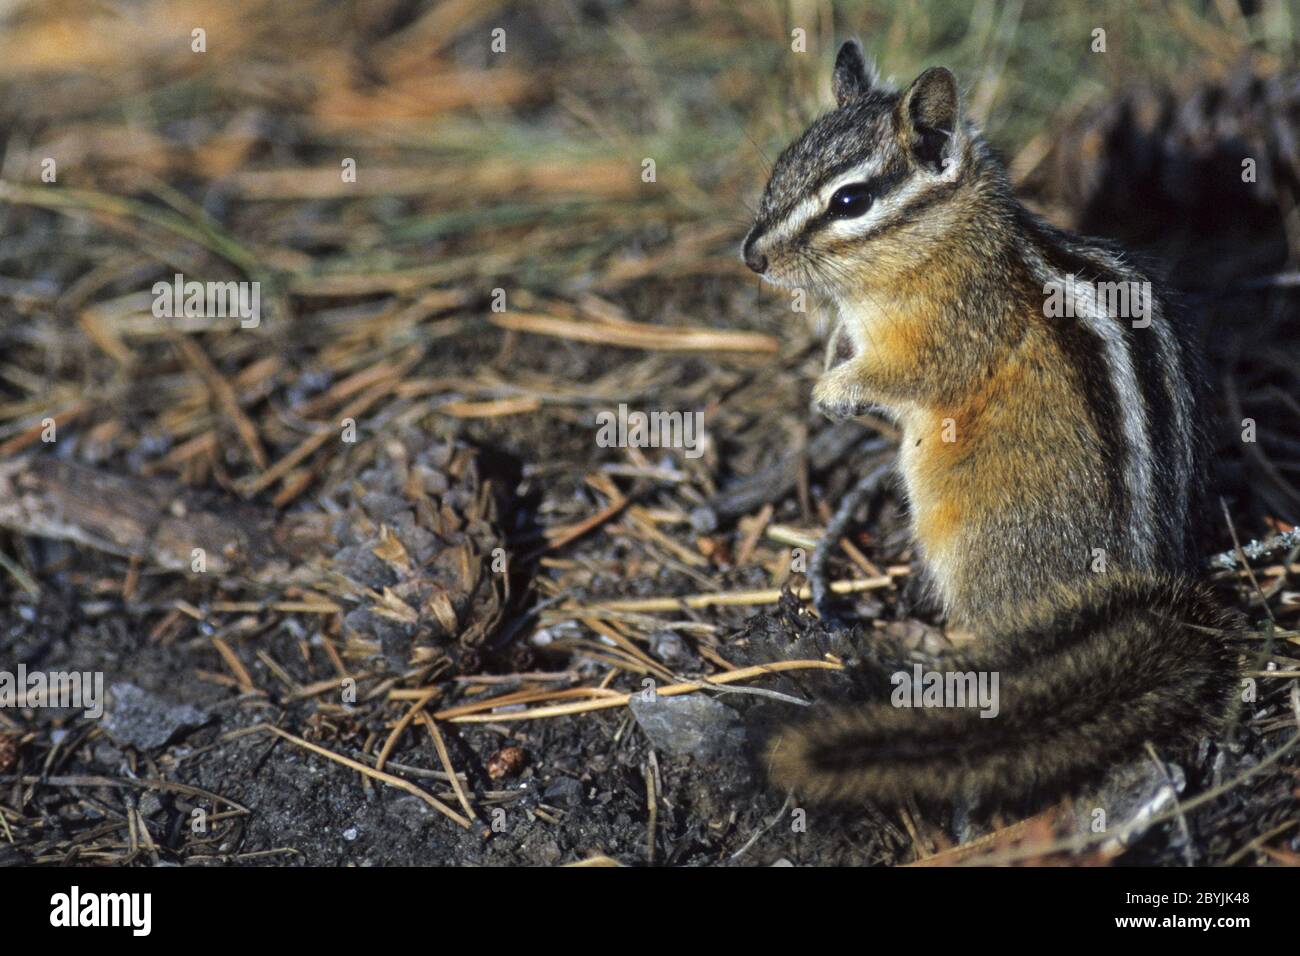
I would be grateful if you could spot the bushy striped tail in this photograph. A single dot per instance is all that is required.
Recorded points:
(1082, 682)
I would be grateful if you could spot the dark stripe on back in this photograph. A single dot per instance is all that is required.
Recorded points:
(1149, 366)
(1085, 353)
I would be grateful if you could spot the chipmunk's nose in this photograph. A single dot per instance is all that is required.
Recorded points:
(753, 258)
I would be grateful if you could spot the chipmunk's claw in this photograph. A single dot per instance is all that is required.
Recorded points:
(840, 410)
(839, 396)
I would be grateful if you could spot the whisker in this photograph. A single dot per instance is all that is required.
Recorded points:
(758, 149)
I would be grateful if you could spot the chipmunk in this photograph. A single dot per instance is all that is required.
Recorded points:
(1051, 464)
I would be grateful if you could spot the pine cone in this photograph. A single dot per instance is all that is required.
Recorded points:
(421, 555)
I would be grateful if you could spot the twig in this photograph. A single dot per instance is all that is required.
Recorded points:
(514, 698)
(652, 805)
(397, 731)
(637, 335)
(558, 537)
(224, 393)
(1188, 849)
(866, 488)
(1008, 834)
(235, 664)
(256, 483)
(144, 783)
(724, 599)
(1076, 844)
(789, 798)
(20, 575)
(622, 700)
(1250, 572)
(30, 437)
(1228, 560)
(824, 449)
(440, 746)
(1258, 842)
(387, 778)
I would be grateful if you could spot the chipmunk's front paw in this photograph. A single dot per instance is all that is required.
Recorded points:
(839, 396)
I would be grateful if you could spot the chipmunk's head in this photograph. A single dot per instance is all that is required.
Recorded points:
(860, 197)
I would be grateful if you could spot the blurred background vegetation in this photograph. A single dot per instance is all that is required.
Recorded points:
(209, 137)
(530, 158)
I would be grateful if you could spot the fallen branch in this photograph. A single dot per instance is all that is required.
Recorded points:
(1228, 560)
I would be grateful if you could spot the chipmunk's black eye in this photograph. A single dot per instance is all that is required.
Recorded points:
(851, 201)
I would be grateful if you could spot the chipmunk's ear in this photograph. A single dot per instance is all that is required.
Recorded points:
(852, 76)
(929, 116)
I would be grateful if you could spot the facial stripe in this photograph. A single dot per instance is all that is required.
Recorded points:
(791, 224)
(912, 203)
(857, 172)
(888, 197)
(792, 221)
(811, 214)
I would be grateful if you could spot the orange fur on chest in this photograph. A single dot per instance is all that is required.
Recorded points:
(897, 342)
(959, 461)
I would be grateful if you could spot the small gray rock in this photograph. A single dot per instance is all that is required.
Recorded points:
(139, 719)
(106, 755)
(1130, 794)
(693, 724)
(669, 647)
(549, 852)
(564, 792)
(150, 805)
